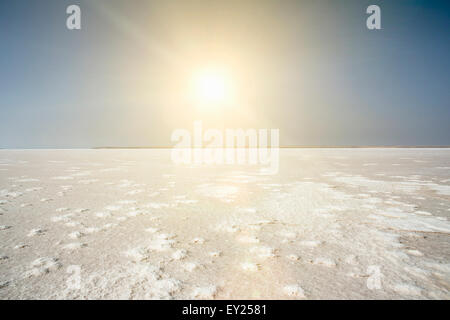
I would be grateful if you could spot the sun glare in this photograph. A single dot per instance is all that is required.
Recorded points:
(212, 87)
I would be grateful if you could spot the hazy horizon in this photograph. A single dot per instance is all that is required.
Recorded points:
(311, 69)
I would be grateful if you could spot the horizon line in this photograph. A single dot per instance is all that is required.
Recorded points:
(246, 147)
(288, 147)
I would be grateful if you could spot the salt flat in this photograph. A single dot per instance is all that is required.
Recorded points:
(130, 224)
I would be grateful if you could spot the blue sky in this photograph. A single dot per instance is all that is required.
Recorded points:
(310, 68)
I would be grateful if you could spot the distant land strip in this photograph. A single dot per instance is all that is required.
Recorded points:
(292, 147)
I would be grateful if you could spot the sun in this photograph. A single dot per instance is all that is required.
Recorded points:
(212, 87)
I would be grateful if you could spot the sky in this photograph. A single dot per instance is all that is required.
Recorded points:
(311, 69)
